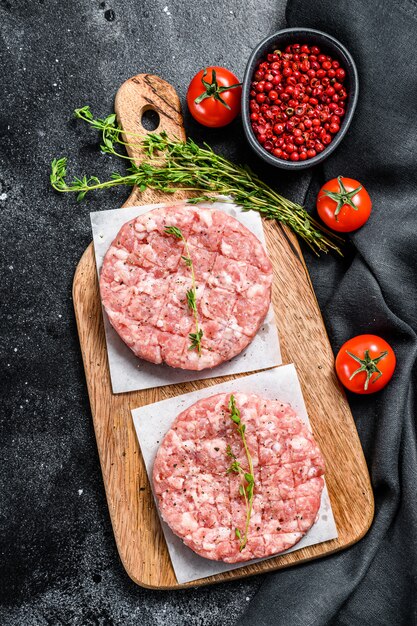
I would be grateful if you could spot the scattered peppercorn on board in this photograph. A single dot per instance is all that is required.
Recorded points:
(304, 342)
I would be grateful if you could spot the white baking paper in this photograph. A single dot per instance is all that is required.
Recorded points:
(127, 371)
(154, 420)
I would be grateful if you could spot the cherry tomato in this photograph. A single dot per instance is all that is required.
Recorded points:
(344, 204)
(213, 97)
(365, 364)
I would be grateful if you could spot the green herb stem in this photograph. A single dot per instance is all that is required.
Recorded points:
(174, 165)
(249, 505)
(191, 293)
(247, 485)
(198, 331)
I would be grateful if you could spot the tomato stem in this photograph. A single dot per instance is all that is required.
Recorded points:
(342, 197)
(368, 365)
(212, 90)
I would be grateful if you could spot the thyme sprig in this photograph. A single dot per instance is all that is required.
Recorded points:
(183, 165)
(110, 131)
(191, 294)
(247, 485)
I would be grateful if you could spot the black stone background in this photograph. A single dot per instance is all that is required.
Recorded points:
(59, 563)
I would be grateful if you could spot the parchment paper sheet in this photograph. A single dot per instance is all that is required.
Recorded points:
(154, 420)
(128, 372)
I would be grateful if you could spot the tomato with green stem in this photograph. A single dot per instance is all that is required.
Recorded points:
(344, 204)
(213, 97)
(365, 364)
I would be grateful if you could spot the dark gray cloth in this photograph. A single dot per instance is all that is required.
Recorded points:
(374, 289)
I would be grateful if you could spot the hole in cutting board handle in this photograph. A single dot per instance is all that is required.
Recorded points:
(150, 120)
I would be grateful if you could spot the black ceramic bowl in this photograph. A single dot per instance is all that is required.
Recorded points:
(328, 45)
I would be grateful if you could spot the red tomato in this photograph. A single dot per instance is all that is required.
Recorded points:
(344, 204)
(365, 364)
(213, 97)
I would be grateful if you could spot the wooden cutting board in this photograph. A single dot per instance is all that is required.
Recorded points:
(304, 341)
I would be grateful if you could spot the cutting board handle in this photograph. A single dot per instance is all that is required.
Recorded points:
(141, 93)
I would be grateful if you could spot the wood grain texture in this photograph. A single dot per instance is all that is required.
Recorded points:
(304, 342)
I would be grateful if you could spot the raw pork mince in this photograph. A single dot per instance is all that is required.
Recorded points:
(144, 280)
(200, 501)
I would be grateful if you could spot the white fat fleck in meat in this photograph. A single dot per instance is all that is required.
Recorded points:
(188, 522)
(176, 482)
(206, 217)
(189, 445)
(226, 249)
(255, 290)
(298, 443)
(150, 225)
(111, 252)
(121, 254)
(215, 447)
(225, 280)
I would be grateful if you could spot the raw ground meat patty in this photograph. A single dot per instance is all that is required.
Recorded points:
(200, 501)
(144, 280)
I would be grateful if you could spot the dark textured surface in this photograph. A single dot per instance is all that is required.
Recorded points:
(59, 563)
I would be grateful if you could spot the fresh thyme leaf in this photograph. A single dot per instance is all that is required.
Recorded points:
(58, 173)
(238, 533)
(196, 341)
(173, 230)
(201, 199)
(232, 406)
(188, 262)
(191, 300)
(184, 165)
(84, 113)
(111, 119)
(234, 467)
(229, 451)
(246, 491)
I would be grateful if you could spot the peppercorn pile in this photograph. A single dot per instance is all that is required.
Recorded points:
(297, 102)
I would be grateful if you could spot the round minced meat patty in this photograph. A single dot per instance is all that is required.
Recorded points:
(201, 502)
(144, 281)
